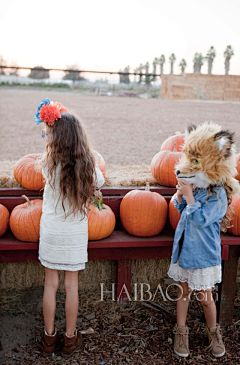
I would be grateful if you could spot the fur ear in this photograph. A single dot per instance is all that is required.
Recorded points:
(224, 141)
(189, 129)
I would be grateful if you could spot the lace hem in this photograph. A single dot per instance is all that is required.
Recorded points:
(65, 267)
(197, 279)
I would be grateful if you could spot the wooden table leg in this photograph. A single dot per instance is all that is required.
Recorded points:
(124, 271)
(227, 292)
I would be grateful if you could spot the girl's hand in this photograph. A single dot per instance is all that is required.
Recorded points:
(185, 189)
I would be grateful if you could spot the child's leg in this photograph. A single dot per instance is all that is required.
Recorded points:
(182, 304)
(209, 307)
(49, 299)
(72, 301)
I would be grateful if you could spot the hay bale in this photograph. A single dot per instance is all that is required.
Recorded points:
(117, 175)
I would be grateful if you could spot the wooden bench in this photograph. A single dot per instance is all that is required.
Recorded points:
(123, 247)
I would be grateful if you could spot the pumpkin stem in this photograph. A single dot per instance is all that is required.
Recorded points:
(147, 187)
(98, 200)
(28, 201)
(175, 147)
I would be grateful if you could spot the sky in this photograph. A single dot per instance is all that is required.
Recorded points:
(107, 35)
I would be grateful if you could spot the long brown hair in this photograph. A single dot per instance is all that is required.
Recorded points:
(68, 144)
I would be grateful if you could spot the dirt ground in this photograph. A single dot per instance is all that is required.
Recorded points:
(124, 130)
(123, 334)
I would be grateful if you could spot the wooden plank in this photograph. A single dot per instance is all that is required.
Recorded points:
(227, 289)
(124, 273)
(225, 252)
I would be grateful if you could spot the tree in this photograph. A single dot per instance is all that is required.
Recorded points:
(155, 62)
(161, 62)
(124, 78)
(39, 72)
(183, 65)
(172, 59)
(228, 54)
(73, 74)
(197, 63)
(147, 77)
(210, 57)
(2, 64)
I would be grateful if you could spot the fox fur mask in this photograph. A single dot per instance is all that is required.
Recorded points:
(209, 158)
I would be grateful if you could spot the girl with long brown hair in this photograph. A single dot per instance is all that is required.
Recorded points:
(71, 175)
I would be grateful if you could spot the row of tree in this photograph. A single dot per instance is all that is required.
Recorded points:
(198, 61)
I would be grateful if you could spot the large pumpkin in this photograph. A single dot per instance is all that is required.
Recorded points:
(101, 219)
(4, 219)
(238, 167)
(235, 229)
(169, 143)
(174, 215)
(28, 171)
(143, 213)
(25, 220)
(163, 166)
(100, 162)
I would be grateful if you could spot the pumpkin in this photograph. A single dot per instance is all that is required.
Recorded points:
(163, 165)
(101, 219)
(25, 220)
(169, 143)
(100, 162)
(4, 219)
(238, 166)
(143, 213)
(235, 204)
(28, 171)
(174, 215)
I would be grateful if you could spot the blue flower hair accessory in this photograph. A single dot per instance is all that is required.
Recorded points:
(37, 115)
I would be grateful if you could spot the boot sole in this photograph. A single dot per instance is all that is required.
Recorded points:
(181, 355)
(219, 355)
(67, 356)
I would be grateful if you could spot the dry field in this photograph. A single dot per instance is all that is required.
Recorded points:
(124, 130)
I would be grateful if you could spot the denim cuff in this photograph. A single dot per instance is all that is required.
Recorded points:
(192, 207)
(180, 205)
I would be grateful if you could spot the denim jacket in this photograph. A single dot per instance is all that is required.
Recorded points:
(200, 222)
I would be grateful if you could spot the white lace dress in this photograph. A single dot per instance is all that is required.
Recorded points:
(197, 279)
(63, 243)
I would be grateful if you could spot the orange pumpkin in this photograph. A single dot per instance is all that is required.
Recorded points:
(169, 143)
(174, 215)
(100, 162)
(143, 213)
(235, 229)
(163, 166)
(238, 167)
(25, 220)
(101, 219)
(28, 171)
(4, 219)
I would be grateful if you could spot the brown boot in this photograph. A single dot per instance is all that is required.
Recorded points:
(216, 343)
(181, 341)
(71, 344)
(49, 343)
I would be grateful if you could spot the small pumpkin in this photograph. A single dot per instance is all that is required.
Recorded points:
(169, 143)
(4, 219)
(25, 220)
(163, 166)
(100, 162)
(28, 172)
(143, 213)
(101, 219)
(235, 204)
(174, 215)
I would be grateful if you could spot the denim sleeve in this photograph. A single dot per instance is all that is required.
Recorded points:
(206, 214)
(181, 205)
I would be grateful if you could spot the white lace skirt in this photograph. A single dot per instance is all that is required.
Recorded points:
(197, 279)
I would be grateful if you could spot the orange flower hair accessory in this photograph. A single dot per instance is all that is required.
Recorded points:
(49, 112)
